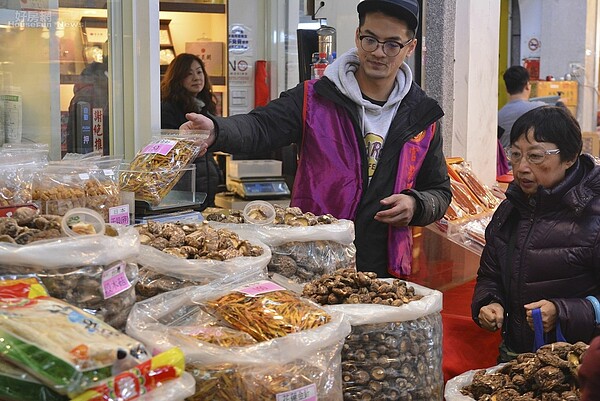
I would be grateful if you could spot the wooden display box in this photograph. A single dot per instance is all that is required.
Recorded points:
(591, 143)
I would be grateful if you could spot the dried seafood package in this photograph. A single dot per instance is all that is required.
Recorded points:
(266, 310)
(159, 165)
(227, 363)
(181, 255)
(481, 191)
(61, 345)
(550, 373)
(395, 347)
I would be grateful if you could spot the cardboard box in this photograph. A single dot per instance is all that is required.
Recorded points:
(568, 89)
(591, 143)
(211, 54)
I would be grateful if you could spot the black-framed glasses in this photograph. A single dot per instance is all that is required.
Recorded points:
(533, 157)
(391, 48)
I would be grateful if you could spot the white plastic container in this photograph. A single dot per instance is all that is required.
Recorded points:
(81, 215)
(259, 212)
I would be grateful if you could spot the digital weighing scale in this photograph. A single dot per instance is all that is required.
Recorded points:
(259, 188)
(253, 179)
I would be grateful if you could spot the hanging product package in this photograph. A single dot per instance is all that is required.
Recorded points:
(177, 255)
(61, 345)
(91, 272)
(304, 246)
(274, 344)
(159, 165)
(393, 351)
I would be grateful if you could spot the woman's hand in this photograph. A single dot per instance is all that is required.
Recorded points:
(491, 316)
(548, 310)
(399, 212)
(200, 122)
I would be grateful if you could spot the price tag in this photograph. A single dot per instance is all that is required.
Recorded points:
(119, 215)
(306, 393)
(108, 172)
(84, 176)
(114, 281)
(162, 147)
(260, 287)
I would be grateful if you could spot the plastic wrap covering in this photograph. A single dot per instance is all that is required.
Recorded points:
(304, 253)
(167, 270)
(107, 292)
(61, 345)
(17, 170)
(77, 251)
(481, 191)
(159, 165)
(304, 365)
(394, 352)
(548, 374)
(18, 385)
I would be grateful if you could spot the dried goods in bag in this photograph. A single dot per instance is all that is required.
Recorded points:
(159, 165)
(266, 310)
(301, 365)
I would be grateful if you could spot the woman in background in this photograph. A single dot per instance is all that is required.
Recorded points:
(185, 88)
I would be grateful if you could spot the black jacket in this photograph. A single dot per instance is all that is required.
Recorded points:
(556, 256)
(280, 123)
(208, 174)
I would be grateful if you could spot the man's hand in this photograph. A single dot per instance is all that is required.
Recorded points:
(400, 211)
(200, 122)
(491, 316)
(548, 311)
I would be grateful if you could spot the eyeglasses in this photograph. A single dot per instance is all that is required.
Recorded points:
(533, 157)
(391, 48)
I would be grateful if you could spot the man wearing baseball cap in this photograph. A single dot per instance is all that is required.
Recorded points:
(369, 150)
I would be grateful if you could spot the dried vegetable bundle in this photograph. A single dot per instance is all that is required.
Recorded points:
(268, 315)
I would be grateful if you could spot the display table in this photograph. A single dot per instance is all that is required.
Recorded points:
(440, 262)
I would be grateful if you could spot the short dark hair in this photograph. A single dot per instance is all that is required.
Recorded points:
(551, 124)
(515, 79)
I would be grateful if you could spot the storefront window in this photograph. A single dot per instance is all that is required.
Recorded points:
(54, 75)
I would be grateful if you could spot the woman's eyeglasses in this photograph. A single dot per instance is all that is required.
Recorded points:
(533, 157)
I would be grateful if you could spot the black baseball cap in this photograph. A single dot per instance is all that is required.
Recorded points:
(406, 10)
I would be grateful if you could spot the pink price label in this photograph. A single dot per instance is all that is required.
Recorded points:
(114, 281)
(306, 393)
(162, 147)
(119, 215)
(260, 287)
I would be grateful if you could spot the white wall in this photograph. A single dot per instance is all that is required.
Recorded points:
(476, 85)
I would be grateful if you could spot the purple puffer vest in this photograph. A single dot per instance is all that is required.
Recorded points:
(331, 180)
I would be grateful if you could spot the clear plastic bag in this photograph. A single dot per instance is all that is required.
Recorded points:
(394, 351)
(85, 287)
(304, 253)
(59, 187)
(161, 272)
(17, 170)
(159, 165)
(306, 362)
